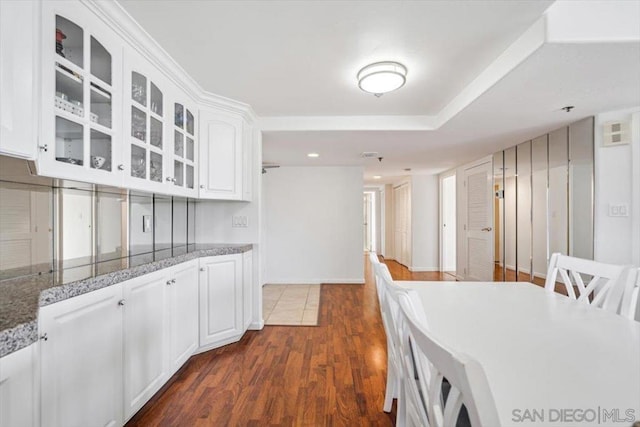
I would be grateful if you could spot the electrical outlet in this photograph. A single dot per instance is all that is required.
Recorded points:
(240, 221)
(621, 210)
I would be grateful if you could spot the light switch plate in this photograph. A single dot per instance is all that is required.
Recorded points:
(146, 223)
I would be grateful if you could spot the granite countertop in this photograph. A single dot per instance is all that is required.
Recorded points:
(21, 297)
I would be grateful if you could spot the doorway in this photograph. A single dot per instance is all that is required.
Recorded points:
(448, 224)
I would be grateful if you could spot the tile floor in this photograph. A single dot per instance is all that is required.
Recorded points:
(290, 305)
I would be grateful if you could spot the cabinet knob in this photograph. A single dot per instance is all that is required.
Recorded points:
(201, 186)
(201, 268)
(173, 281)
(120, 167)
(121, 302)
(44, 337)
(169, 179)
(169, 282)
(44, 148)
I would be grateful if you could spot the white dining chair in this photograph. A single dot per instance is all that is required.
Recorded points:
(605, 285)
(389, 315)
(426, 405)
(630, 299)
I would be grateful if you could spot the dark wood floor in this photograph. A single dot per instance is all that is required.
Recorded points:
(332, 374)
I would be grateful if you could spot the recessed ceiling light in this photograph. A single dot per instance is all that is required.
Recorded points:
(382, 77)
(313, 155)
(376, 177)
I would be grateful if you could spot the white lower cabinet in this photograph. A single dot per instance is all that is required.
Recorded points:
(146, 339)
(81, 356)
(183, 311)
(105, 353)
(220, 300)
(17, 385)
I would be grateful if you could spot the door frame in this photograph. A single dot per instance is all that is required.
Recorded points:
(441, 178)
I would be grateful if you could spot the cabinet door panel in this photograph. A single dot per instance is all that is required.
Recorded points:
(247, 279)
(184, 314)
(221, 159)
(145, 340)
(220, 298)
(82, 360)
(17, 388)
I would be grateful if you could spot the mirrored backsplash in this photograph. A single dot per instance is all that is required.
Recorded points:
(78, 230)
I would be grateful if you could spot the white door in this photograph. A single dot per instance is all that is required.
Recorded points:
(183, 300)
(479, 230)
(366, 208)
(145, 339)
(449, 224)
(81, 360)
(220, 299)
(402, 224)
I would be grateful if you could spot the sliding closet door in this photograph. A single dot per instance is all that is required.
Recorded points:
(581, 189)
(510, 214)
(539, 185)
(498, 217)
(558, 215)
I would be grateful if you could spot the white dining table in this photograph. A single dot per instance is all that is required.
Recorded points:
(549, 360)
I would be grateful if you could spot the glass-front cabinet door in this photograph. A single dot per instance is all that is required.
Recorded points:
(147, 146)
(81, 96)
(184, 147)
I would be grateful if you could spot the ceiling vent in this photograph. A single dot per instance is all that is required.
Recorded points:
(369, 155)
(616, 133)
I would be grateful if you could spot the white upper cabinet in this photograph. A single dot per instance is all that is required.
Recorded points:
(18, 116)
(147, 147)
(222, 161)
(184, 159)
(81, 75)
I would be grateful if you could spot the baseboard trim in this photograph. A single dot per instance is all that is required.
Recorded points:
(256, 326)
(316, 282)
(421, 269)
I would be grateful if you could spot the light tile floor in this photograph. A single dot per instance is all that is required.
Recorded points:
(291, 305)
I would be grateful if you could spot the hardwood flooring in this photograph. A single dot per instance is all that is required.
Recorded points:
(332, 374)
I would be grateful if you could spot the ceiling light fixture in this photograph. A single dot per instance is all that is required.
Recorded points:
(376, 177)
(382, 77)
(313, 155)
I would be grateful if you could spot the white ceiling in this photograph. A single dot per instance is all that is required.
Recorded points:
(300, 59)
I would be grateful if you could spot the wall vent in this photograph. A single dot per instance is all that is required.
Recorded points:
(616, 133)
(369, 155)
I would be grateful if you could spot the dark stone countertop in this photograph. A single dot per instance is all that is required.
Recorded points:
(21, 297)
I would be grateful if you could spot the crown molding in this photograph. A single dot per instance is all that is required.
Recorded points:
(125, 26)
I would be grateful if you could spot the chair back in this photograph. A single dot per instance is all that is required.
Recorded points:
(630, 299)
(435, 362)
(605, 285)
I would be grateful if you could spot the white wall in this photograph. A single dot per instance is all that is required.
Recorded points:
(424, 223)
(313, 225)
(617, 182)
(388, 222)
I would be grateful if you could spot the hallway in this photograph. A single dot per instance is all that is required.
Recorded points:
(330, 374)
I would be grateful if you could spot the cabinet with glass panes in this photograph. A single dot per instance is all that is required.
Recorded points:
(81, 89)
(184, 147)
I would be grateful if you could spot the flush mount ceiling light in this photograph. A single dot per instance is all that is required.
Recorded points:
(313, 155)
(382, 77)
(377, 176)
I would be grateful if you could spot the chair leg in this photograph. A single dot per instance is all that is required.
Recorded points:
(391, 387)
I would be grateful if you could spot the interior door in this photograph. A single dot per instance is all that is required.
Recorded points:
(479, 230)
(367, 221)
(449, 223)
(401, 224)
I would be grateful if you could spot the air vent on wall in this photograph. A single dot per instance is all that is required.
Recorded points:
(369, 155)
(616, 133)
